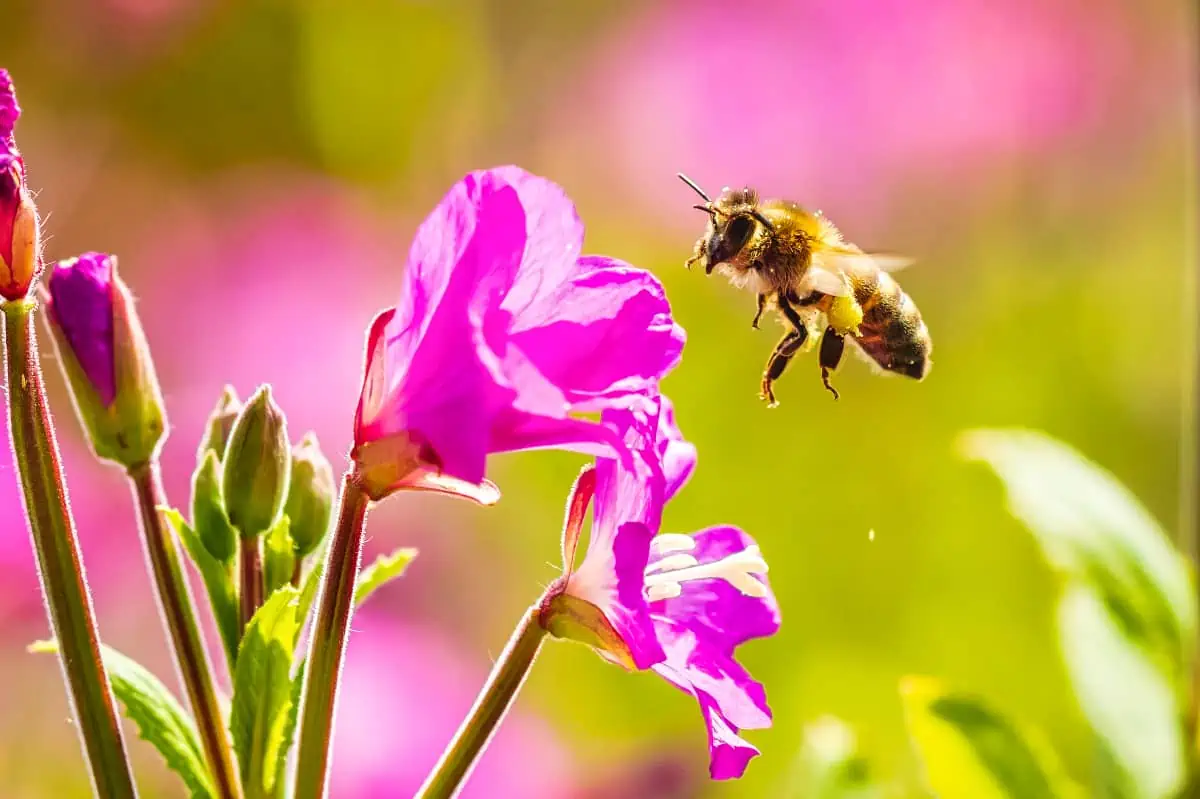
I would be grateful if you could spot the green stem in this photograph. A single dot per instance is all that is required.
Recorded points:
(252, 578)
(328, 644)
(178, 610)
(493, 703)
(59, 565)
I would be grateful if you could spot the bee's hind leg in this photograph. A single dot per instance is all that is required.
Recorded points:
(787, 347)
(833, 345)
(762, 304)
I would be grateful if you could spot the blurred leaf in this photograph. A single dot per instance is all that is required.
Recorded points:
(385, 569)
(1092, 528)
(831, 766)
(1130, 704)
(208, 510)
(970, 751)
(279, 558)
(262, 693)
(289, 730)
(218, 583)
(160, 719)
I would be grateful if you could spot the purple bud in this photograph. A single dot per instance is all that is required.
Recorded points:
(19, 234)
(81, 300)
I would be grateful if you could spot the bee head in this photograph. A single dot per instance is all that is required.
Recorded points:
(733, 219)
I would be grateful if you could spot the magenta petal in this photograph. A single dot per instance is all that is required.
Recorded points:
(729, 753)
(605, 333)
(9, 111)
(722, 613)
(678, 455)
(704, 668)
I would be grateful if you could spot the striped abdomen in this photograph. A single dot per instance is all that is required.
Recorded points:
(892, 332)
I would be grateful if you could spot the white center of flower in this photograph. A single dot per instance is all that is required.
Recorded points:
(665, 578)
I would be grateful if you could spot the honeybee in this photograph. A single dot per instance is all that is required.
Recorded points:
(798, 264)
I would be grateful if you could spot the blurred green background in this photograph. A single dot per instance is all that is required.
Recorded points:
(259, 166)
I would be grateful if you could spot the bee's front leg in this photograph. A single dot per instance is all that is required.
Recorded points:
(787, 347)
(699, 254)
(762, 303)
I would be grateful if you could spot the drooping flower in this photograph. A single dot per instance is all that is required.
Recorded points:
(104, 355)
(19, 228)
(674, 603)
(503, 336)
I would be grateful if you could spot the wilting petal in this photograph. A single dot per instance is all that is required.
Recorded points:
(604, 333)
(724, 614)
(678, 454)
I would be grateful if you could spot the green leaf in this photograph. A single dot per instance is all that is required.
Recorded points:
(160, 719)
(279, 558)
(1130, 704)
(308, 589)
(289, 730)
(262, 694)
(830, 764)
(385, 569)
(969, 751)
(1091, 527)
(208, 510)
(218, 582)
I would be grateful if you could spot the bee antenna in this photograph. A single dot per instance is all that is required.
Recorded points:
(695, 188)
(765, 222)
(708, 209)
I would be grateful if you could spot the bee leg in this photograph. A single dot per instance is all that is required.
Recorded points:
(833, 345)
(787, 347)
(762, 303)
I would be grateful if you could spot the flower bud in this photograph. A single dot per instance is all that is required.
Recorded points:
(105, 357)
(220, 424)
(310, 495)
(20, 237)
(257, 464)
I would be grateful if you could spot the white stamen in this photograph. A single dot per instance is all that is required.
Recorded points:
(672, 542)
(665, 579)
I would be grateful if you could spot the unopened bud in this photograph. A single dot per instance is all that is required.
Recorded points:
(220, 424)
(20, 236)
(257, 464)
(310, 495)
(105, 357)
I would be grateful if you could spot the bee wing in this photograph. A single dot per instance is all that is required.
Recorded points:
(826, 282)
(846, 259)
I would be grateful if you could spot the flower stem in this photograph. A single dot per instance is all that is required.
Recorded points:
(493, 703)
(328, 645)
(59, 565)
(175, 601)
(252, 577)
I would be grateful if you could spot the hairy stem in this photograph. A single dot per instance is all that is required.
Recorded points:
(506, 679)
(328, 643)
(60, 568)
(179, 614)
(252, 578)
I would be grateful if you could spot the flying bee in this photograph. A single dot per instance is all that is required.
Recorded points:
(798, 264)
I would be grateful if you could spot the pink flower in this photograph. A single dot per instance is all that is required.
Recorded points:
(503, 335)
(679, 604)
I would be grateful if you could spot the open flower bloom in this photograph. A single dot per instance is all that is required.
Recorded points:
(677, 604)
(18, 217)
(503, 336)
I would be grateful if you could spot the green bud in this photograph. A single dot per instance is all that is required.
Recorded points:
(208, 510)
(220, 424)
(257, 463)
(310, 496)
(106, 359)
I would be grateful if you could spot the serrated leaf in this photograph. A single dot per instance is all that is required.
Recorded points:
(262, 690)
(161, 720)
(1092, 528)
(385, 569)
(218, 584)
(279, 557)
(969, 751)
(830, 765)
(1130, 704)
(208, 510)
